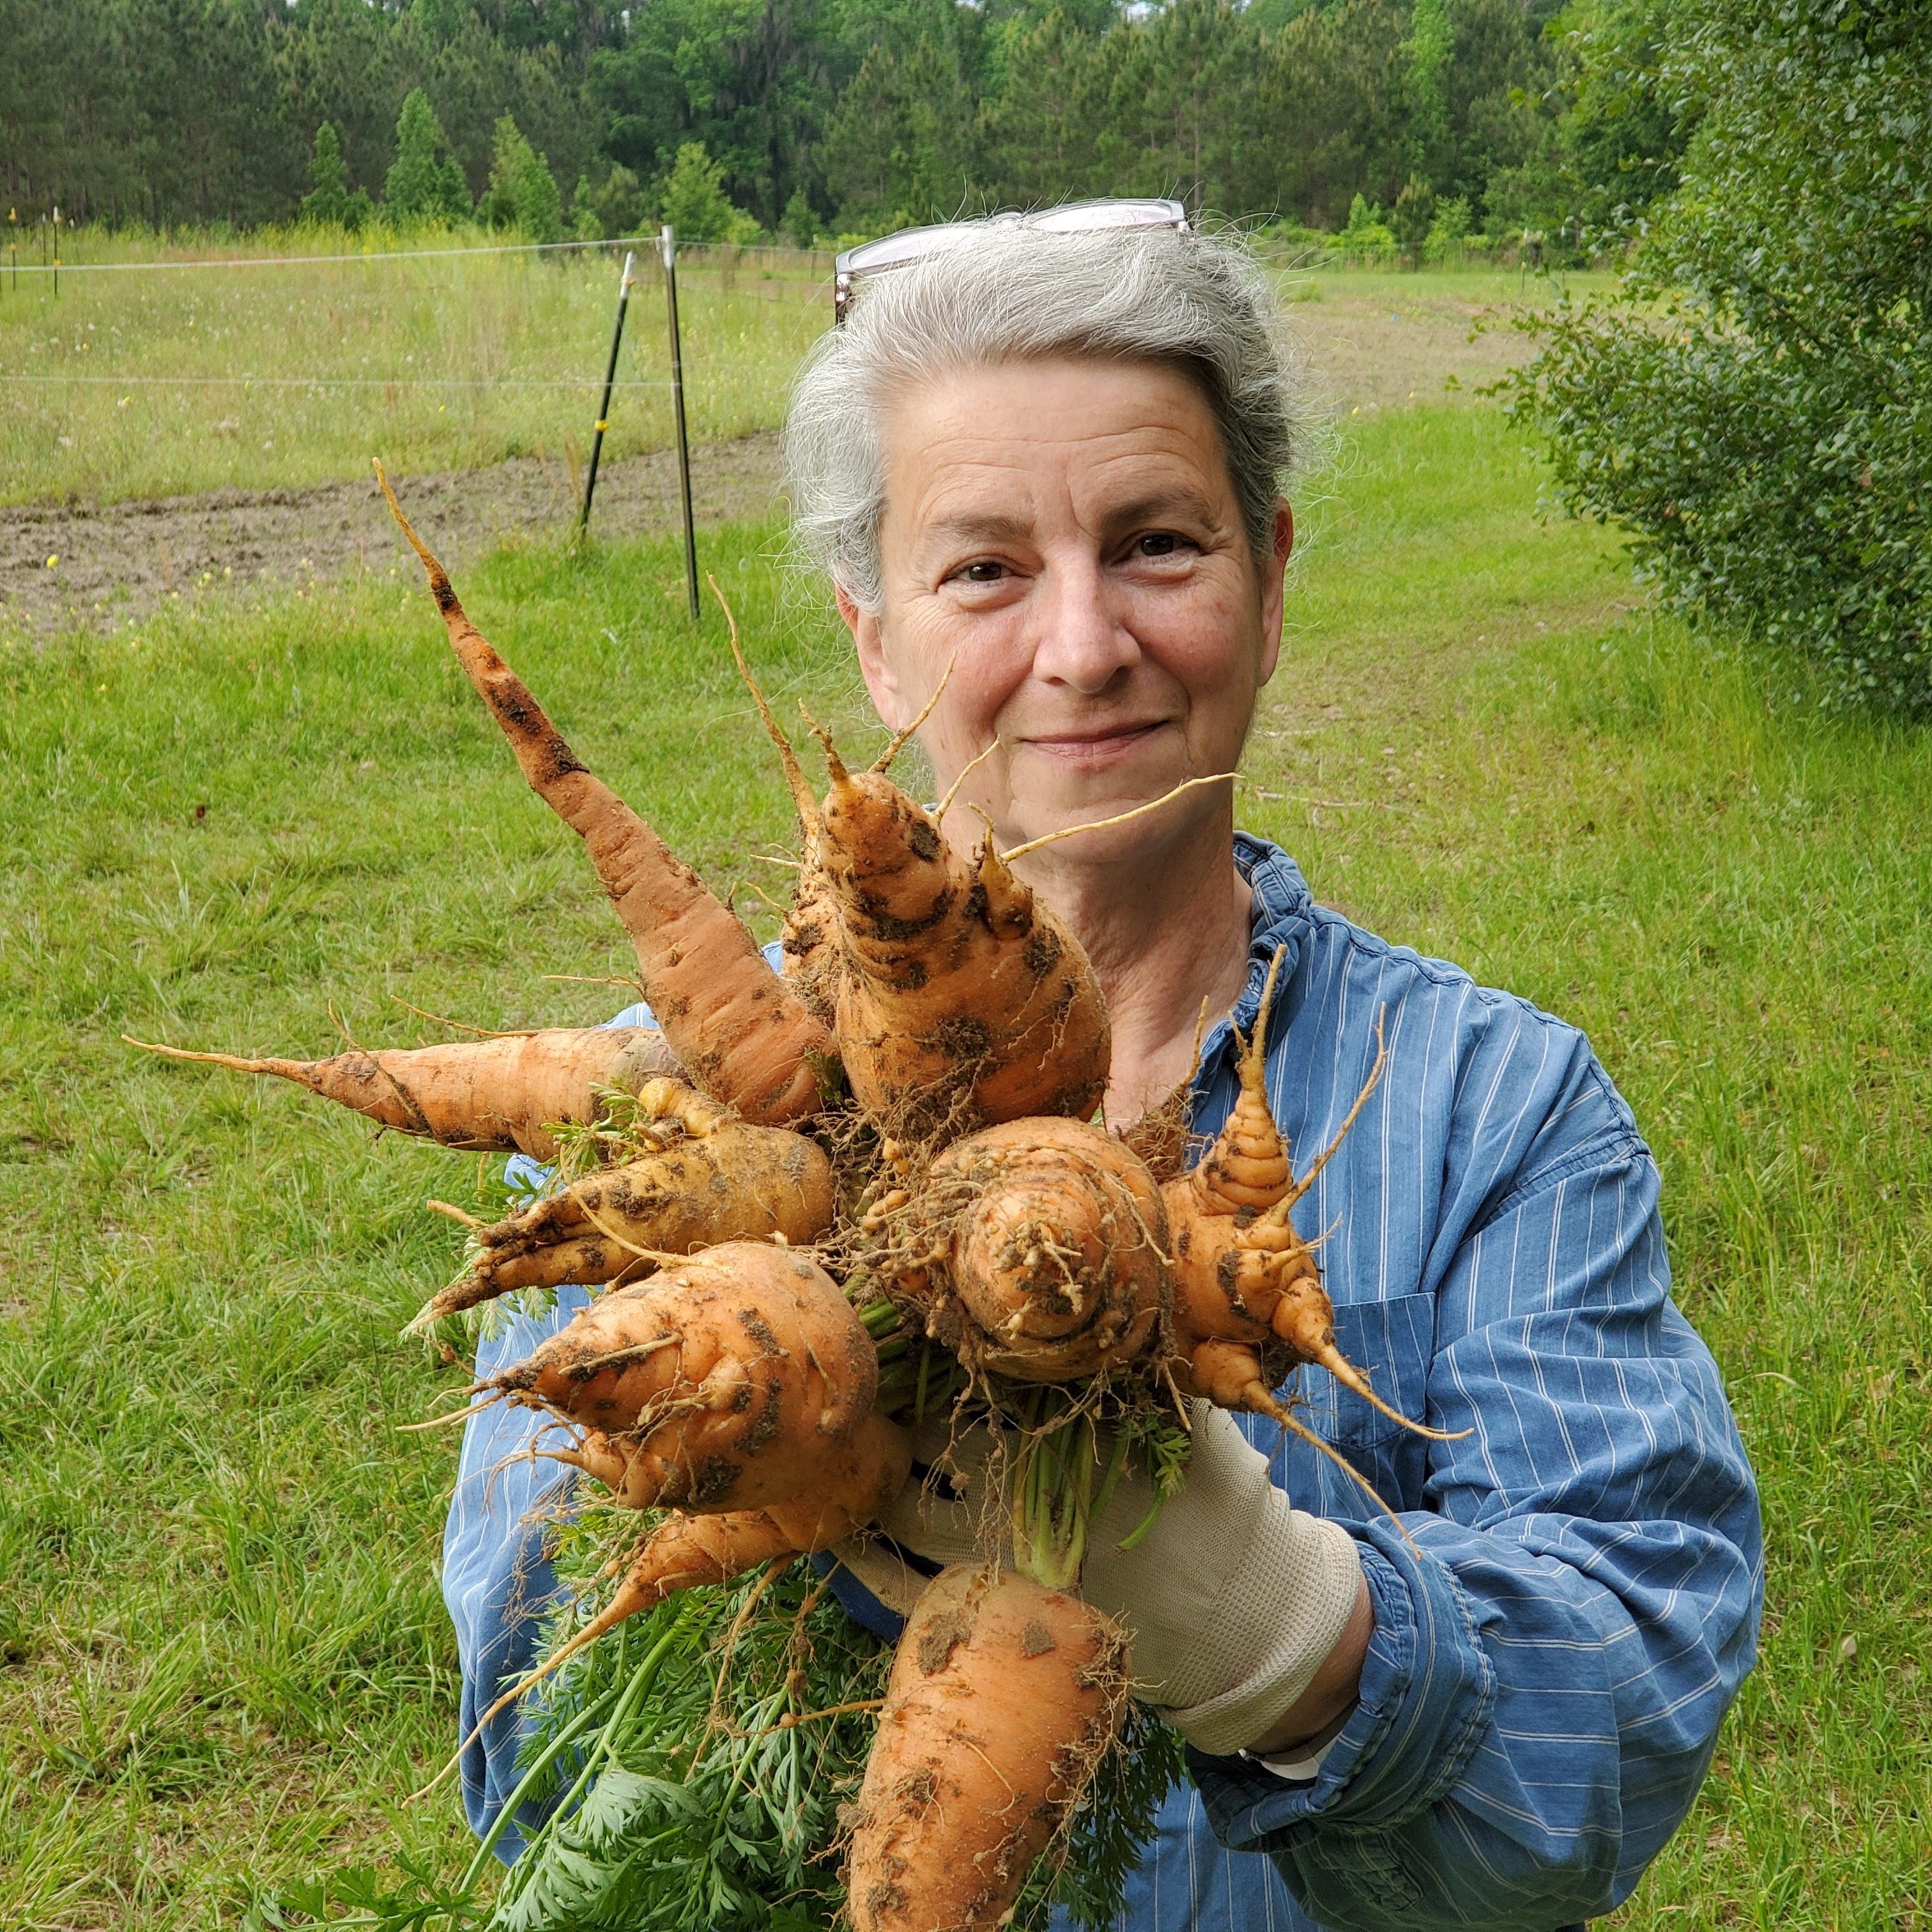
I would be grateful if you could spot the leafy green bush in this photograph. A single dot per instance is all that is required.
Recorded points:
(1754, 402)
(1448, 232)
(1368, 238)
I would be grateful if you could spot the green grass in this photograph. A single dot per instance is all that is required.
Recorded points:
(161, 381)
(168, 378)
(226, 1660)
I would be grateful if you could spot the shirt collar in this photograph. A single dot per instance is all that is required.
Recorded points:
(1280, 918)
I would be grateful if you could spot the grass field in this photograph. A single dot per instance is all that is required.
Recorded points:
(225, 1660)
(153, 381)
(165, 376)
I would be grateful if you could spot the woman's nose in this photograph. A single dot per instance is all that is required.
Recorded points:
(1082, 639)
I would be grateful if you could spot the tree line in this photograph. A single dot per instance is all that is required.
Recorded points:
(811, 119)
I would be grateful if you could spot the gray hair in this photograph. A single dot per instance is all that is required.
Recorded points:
(1198, 303)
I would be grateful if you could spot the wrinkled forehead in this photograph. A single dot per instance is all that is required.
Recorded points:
(1109, 421)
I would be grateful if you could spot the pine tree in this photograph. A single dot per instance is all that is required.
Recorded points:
(900, 148)
(426, 183)
(1431, 43)
(618, 204)
(695, 202)
(522, 192)
(1409, 219)
(330, 205)
(1037, 133)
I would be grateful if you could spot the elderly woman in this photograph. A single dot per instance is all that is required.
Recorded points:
(1048, 455)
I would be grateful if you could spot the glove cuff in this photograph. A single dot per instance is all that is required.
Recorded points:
(1281, 1613)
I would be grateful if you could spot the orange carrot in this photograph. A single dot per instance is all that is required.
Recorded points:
(1249, 1305)
(714, 1179)
(961, 1000)
(1037, 1251)
(685, 1551)
(740, 1033)
(1003, 1697)
(732, 1378)
(496, 1095)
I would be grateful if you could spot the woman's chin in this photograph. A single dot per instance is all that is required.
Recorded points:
(1144, 834)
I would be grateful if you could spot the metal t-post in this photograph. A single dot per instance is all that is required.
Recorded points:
(667, 241)
(603, 407)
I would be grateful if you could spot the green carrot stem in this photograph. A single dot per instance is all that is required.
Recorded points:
(1146, 1523)
(1117, 1461)
(645, 1675)
(551, 1751)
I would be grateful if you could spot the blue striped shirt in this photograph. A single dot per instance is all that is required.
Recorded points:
(1543, 1691)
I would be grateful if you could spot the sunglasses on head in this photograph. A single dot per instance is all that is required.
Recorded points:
(915, 244)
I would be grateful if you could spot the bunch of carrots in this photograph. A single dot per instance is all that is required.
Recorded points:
(822, 1204)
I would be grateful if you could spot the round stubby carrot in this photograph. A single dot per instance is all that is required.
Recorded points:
(714, 1179)
(731, 1380)
(743, 1035)
(1054, 1263)
(498, 1096)
(961, 1001)
(1003, 1696)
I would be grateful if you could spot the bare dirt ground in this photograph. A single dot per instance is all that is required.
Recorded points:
(1402, 344)
(119, 561)
(64, 566)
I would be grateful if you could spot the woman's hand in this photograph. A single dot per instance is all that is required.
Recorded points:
(1248, 1618)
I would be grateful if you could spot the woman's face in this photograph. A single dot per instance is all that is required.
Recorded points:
(1065, 534)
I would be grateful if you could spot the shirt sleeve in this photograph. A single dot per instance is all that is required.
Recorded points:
(1557, 1635)
(498, 1580)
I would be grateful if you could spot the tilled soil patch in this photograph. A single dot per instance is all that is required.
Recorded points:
(67, 565)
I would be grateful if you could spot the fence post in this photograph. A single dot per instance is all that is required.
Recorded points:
(603, 407)
(667, 241)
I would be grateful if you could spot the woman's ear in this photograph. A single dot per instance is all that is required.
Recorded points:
(875, 666)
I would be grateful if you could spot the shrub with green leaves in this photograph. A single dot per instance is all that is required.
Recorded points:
(1754, 402)
(1368, 238)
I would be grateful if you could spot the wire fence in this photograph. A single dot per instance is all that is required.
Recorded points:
(288, 368)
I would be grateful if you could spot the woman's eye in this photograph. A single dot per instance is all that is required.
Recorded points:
(983, 570)
(1157, 543)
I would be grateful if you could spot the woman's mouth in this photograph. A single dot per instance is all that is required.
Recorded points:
(1104, 745)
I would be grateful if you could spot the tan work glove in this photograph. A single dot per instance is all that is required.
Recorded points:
(1232, 1600)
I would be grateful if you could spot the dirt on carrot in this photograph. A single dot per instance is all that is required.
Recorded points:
(1003, 1699)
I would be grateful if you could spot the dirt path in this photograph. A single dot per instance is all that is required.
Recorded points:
(114, 562)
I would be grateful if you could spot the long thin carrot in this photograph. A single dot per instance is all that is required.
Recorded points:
(741, 1033)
